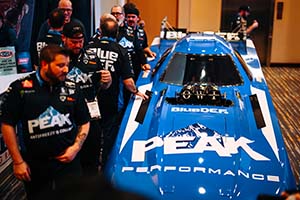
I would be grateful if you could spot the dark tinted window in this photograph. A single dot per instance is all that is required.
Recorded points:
(213, 69)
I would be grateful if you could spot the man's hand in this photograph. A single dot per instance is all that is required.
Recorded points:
(255, 24)
(140, 94)
(105, 79)
(69, 154)
(22, 171)
(146, 67)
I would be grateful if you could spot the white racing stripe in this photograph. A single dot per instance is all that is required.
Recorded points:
(268, 130)
(131, 123)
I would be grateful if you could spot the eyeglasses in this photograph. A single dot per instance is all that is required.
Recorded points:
(116, 13)
(66, 9)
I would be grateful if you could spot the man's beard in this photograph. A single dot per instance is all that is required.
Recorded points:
(53, 79)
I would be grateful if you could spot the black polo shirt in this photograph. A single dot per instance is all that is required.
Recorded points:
(112, 57)
(49, 115)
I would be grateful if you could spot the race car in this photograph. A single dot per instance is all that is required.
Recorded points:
(208, 130)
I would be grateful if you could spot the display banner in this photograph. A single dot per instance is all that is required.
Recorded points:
(7, 61)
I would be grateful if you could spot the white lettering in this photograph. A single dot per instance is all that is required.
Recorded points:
(169, 168)
(184, 169)
(47, 122)
(211, 171)
(107, 58)
(201, 110)
(141, 147)
(229, 172)
(181, 145)
(124, 169)
(260, 177)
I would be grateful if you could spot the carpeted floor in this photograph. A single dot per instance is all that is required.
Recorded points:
(284, 86)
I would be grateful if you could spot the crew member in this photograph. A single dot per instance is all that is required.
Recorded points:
(240, 24)
(55, 124)
(92, 77)
(56, 21)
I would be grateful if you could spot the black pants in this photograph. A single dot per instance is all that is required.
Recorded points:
(90, 151)
(50, 176)
(110, 128)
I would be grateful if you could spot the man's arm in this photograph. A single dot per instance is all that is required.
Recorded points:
(149, 52)
(253, 26)
(72, 151)
(21, 169)
(130, 85)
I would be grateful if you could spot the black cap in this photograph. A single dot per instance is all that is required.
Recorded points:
(245, 8)
(132, 10)
(73, 30)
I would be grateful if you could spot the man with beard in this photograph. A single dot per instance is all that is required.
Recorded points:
(91, 77)
(54, 121)
(134, 39)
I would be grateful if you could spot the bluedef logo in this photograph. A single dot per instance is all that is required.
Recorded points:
(195, 138)
(49, 119)
(107, 58)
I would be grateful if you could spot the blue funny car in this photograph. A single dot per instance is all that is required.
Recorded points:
(209, 129)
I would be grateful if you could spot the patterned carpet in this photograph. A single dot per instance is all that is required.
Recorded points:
(284, 86)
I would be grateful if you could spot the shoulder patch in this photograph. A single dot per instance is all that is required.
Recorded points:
(27, 84)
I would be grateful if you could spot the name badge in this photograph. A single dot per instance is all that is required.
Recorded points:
(94, 109)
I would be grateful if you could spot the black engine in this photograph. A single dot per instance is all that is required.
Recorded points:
(200, 94)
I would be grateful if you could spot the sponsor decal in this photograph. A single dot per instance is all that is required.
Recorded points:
(78, 76)
(69, 84)
(23, 61)
(107, 58)
(195, 138)
(6, 53)
(199, 110)
(126, 43)
(203, 170)
(70, 99)
(27, 84)
(62, 98)
(49, 119)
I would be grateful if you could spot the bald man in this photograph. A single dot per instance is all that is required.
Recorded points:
(66, 7)
(97, 34)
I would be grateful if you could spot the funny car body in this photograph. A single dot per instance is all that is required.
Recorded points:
(209, 129)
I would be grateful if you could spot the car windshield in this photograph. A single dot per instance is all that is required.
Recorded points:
(198, 68)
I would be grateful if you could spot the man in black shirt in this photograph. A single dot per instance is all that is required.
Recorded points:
(56, 21)
(240, 24)
(112, 57)
(55, 124)
(91, 77)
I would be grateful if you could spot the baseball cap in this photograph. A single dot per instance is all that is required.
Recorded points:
(245, 8)
(132, 10)
(73, 30)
